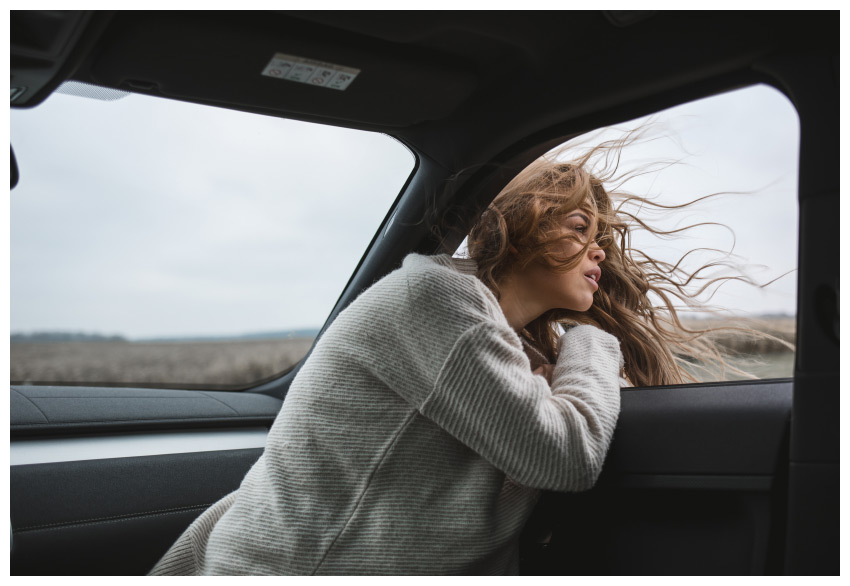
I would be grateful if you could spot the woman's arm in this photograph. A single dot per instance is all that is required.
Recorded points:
(556, 439)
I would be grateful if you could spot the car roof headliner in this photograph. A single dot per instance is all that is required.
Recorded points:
(458, 87)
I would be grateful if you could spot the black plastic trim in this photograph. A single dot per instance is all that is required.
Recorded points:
(40, 411)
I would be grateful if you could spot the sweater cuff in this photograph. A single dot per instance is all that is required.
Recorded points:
(582, 337)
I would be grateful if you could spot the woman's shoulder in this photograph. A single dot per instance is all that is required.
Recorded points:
(441, 280)
(444, 274)
(439, 262)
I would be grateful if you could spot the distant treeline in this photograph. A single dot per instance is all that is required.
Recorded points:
(276, 335)
(34, 337)
(19, 338)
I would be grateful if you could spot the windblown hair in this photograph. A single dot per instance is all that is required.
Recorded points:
(638, 299)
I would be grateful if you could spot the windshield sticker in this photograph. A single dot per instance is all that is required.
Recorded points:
(318, 73)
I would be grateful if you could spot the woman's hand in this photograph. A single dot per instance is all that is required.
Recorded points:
(545, 370)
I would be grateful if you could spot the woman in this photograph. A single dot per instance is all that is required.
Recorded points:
(418, 433)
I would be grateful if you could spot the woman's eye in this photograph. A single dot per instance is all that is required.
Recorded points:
(580, 229)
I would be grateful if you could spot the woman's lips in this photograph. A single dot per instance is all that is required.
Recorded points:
(593, 275)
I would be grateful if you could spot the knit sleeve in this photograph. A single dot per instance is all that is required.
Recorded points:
(554, 439)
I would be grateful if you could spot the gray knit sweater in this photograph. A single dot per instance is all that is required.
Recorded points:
(413, 440)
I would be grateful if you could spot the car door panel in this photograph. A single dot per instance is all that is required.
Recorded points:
(104, 480)
(695, 483)
(721, 429)
(116, 515)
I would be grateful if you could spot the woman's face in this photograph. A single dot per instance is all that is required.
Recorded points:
(574, 289)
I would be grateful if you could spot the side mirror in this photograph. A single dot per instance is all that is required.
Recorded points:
(13, 170)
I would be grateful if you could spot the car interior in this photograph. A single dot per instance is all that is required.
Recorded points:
(723, 478)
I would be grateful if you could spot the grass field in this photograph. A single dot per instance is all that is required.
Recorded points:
(759, 356)
(211, 364)
(235, 363)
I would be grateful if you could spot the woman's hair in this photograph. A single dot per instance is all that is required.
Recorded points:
(639, 298)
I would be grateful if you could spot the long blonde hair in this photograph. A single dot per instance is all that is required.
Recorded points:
(520, 226)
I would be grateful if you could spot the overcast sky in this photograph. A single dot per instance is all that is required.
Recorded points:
(147, 218)
(743, 141)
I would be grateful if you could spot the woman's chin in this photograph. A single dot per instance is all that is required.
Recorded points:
(581, 307)
(587, 305)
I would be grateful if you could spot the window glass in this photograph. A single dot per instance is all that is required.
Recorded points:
(161, 243)
(743, 144)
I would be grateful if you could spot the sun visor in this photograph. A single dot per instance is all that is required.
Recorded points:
(272, 62)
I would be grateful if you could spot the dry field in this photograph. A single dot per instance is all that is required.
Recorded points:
(759, 356)
(782, 328)
(239, 363)
(210, 364)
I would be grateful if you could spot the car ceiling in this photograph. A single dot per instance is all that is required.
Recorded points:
(458, 87)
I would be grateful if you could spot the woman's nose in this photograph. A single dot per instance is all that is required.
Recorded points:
(596, 253)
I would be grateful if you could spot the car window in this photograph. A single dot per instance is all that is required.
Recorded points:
(742, 145)
(162, 243)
